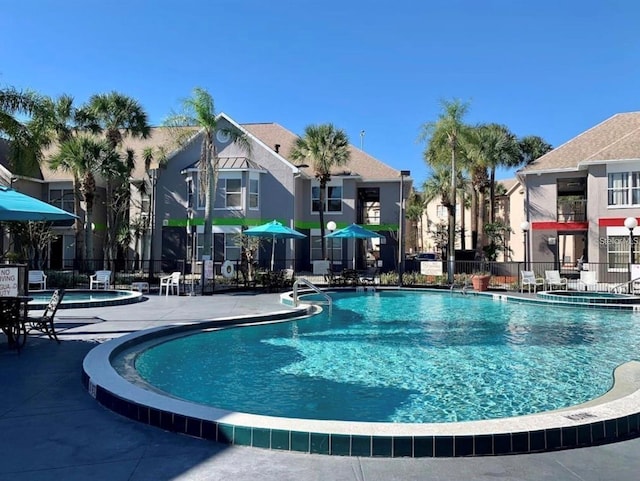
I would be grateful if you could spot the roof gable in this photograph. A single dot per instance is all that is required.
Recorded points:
(616, 138)
(360, 163)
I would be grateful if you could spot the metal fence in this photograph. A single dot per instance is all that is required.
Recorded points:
(504, 275)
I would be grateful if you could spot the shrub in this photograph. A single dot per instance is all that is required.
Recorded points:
(65, 280)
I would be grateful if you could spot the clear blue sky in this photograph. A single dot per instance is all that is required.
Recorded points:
(548, 68)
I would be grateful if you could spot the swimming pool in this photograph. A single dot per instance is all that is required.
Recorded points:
(402, 357)
(459, 333)
(77, 298)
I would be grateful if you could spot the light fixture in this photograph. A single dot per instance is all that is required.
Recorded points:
(331, 226)
(525, 226)
(630, 223)
(403, 174)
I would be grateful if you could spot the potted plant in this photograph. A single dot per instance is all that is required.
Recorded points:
(480, 281)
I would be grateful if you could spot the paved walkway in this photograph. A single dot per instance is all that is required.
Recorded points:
(52, 429)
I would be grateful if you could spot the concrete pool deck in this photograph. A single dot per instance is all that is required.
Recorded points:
(53, 428)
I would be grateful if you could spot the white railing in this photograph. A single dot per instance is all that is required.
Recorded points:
(314, 288)
(628, 287)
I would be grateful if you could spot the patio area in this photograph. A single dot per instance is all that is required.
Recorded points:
(56, 430)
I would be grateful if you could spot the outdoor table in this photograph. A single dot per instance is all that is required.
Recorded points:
(13, 316)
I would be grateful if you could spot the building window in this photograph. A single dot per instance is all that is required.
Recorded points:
(333, 200)
(624, 188)
(372, 213)
(233, 193)
(254, 194)
(316, 248)
(618, 252)
(62, 198)
(442, 212)
(232, 249)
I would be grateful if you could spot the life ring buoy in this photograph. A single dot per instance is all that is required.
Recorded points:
(228, 269)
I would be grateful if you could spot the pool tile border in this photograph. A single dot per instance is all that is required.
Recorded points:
(337, 444)
(612, 418)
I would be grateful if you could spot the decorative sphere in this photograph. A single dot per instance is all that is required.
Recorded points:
(631, 223)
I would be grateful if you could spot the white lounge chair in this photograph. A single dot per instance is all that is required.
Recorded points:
(529, 279)
(170, 282)
(101, 280)
(589, 280)
(38, 278)
(552, 280)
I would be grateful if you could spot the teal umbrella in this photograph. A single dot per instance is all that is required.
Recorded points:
(274, 230)
(354, 231)
(16, 206)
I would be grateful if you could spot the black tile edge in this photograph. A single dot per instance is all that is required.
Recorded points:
(568, 437)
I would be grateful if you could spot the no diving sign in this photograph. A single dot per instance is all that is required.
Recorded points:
(9, 281)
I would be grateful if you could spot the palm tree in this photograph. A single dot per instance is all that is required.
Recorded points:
(531, 148)
(414, 212)
(26, 140)
(13, 102)
(489, 146)
(323, 147)
(117, 116)
(438, 186)
(56, 121)
(83, 156)
(199, 115)
(443, 138)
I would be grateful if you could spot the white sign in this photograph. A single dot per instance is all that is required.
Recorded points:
(431, 268)
(9, 281)
(208, 269)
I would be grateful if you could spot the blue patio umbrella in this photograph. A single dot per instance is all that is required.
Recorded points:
(274, 230)
(16, 206)
(354, 231)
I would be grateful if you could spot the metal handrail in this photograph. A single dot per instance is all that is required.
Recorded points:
(313, 287)
(628, 284)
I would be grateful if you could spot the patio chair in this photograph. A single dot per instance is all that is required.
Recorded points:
(44, 323)
(369, 276)
(333, 279)
(529, 279)
(588, 280)
(101, 280)
(38, 278)
(288, 277)
(553, 279)
(170, 283)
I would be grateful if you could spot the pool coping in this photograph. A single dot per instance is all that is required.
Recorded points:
(132, 298)
(612, 417)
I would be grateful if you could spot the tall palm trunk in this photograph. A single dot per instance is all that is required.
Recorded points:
(492, 195)
(474, 219)
(78, 227)
(323, 195)
(463, 234)
(482, 220)
(211, 160)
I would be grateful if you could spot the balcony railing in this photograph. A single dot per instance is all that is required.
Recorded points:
(574, 210)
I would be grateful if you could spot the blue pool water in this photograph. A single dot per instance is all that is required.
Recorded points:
(402, 357)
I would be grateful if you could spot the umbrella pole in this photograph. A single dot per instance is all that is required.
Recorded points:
(354, 254)
(273, 250)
